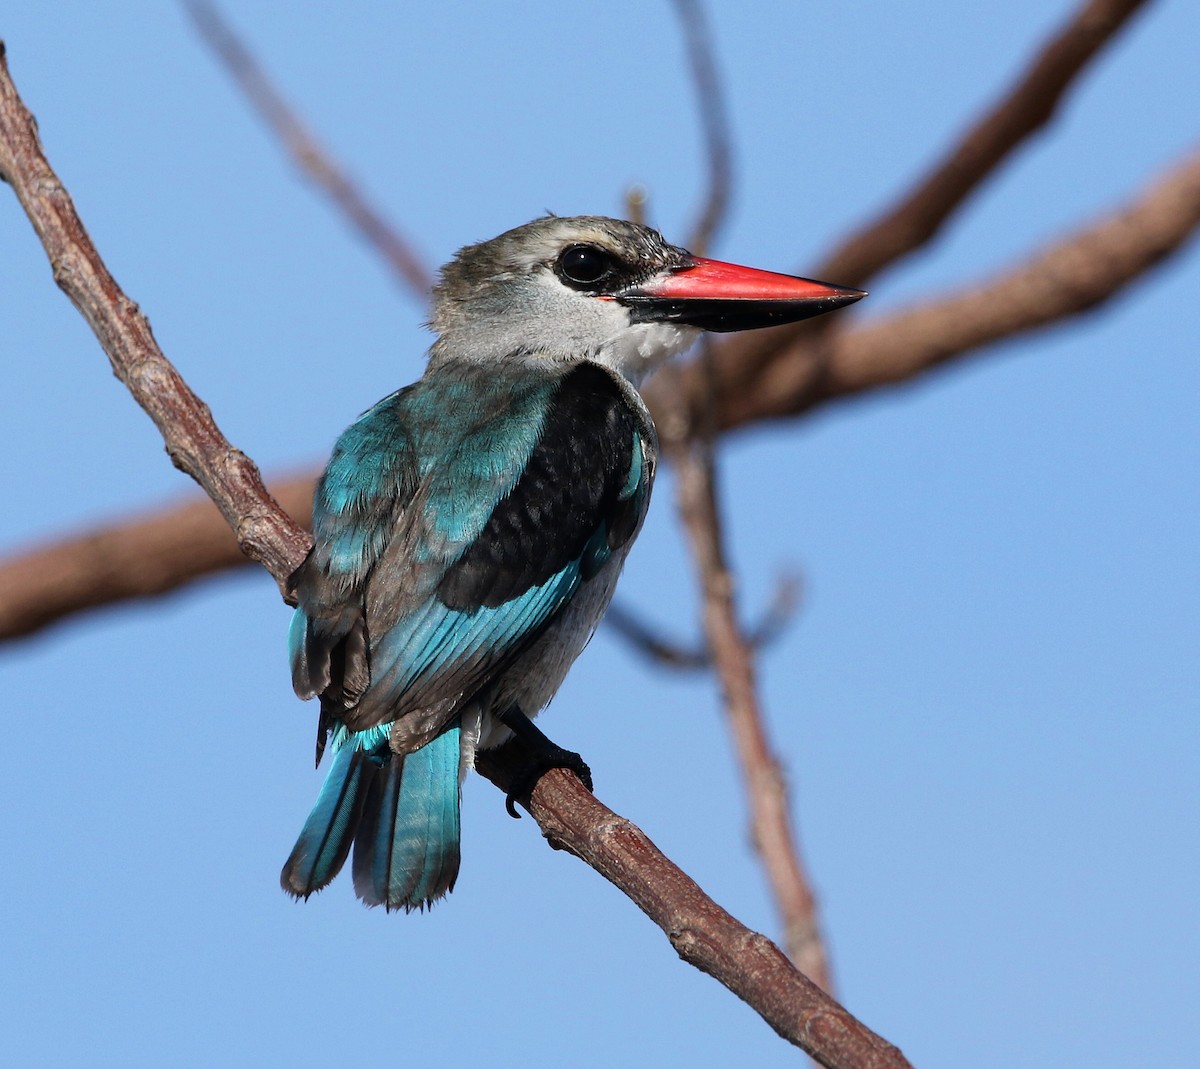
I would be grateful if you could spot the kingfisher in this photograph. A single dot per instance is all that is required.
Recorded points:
(469, 529)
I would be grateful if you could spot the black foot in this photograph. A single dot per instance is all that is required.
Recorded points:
(544, 755)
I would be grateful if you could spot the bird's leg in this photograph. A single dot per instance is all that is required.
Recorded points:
(544, 755)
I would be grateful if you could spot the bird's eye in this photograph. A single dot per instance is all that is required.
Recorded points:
(584, 265)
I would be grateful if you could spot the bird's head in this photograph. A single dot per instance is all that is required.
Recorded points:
(590, 287)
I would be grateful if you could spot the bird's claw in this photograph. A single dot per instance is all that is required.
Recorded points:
(541, 763)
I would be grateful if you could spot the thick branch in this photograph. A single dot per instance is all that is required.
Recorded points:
(746, 963)
(138, 558)
(702, 933)
(1071, 276)
(919, 214)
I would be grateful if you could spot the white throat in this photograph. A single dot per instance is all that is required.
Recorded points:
(639, 348)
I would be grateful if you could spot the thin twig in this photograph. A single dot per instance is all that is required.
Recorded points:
(710, 102)
(306, 153)
(743, 961)
(635, 204)
(671, 653)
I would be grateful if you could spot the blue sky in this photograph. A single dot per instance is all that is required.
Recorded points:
(988, 706)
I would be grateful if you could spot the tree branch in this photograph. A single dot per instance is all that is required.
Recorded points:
(746, 963)
(809, 371)
(1071, 276)
(137, 558)
(920, 213)
(671, 653)
(770, 811)
(918, 216)
(702, 933)
(771, 828)
(305, 152)
(713, 121)
(193, 440)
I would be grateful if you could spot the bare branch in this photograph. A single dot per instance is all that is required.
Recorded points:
(306, 153)
(704, 935)
(165, 550)
(919, 214)
(193, 440)
(635, 204)
(138, 558)
(1027, 107)
(711, 104)
(1067, 278)
(732, 653)
(770, 818)
(651, 644)
(654, 646)
(819, 369)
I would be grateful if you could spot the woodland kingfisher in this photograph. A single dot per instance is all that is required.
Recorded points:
(469, 529)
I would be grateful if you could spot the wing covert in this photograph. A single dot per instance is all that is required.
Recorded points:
(582, 475)
(581, 494)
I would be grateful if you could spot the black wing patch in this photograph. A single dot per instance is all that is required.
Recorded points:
(569, 494)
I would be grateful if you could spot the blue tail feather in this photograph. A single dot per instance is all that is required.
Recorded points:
(372, 850)
(400, 813)
(434, 833)
(325, 840)
(406, 852)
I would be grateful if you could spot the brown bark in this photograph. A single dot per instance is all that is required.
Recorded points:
(919, 214)
(135, 558)
(771, 829)
(1071, 276)
(702, 933)
(193, 440)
